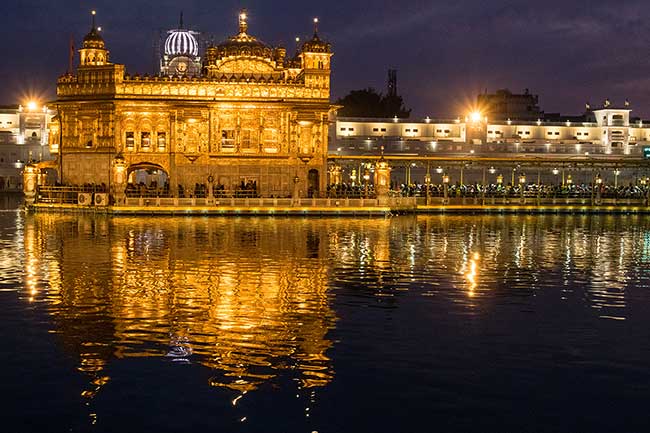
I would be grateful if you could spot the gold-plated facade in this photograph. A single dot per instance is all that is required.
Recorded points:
(253, 116)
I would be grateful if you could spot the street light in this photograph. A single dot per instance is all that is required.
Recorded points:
(439, 170)
(598, 186)
(522, 183)
(445, 187)
(492, 170)
(569, 180)
(616, 173)
(427, 181)
(366, 178)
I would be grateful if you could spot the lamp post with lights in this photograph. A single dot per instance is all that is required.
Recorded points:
(427, 185)
(598, 183)
(445, 188)
(522, 184)
(366, 178)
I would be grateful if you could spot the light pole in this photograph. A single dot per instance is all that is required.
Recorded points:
(427, 182)
(522, 184)
(366, 178)
(598, 184)
(616, 173)
(445, 188)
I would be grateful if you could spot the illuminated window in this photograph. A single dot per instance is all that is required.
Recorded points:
(247, 139)
(270, 140)
(130, 139)
(162, 140)
(228, 138)
(145, 139)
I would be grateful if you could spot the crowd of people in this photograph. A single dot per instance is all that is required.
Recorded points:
(344, 190)
(530, 189)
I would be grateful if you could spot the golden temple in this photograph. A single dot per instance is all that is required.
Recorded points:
(251, 116)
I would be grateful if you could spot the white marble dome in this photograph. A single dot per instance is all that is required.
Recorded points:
(181, 43)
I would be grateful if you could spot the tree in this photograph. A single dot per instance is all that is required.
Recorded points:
(369, 103)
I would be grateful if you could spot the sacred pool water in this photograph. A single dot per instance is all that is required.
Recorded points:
(428, 323)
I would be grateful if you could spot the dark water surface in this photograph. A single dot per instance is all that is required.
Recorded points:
(440, 323)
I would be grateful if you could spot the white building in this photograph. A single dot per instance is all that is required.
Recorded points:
(605, 131)
(23, 137)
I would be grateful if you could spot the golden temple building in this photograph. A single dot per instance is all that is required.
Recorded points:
(250, 118)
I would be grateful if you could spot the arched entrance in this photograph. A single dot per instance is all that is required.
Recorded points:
(312, 183)
(147, 180)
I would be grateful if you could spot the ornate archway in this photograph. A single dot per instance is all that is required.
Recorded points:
(147, 179)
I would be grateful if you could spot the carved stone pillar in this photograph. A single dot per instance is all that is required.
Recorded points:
(119, 180)
(382, 179)
(30, 180)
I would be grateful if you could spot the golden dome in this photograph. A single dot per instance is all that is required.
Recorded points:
(316, 45)
(93, 39)
(243, 44)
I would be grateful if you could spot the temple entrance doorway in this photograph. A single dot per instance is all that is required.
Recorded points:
(147, 180)
(312, 183)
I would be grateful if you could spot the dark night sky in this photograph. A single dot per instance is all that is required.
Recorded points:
(568, 52)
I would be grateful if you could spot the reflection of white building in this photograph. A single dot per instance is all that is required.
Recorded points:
(605, 131)
(23, 137)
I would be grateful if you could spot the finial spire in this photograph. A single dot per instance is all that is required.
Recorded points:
(93, 13)
(180, 25)
(243, 23)
(315, 26)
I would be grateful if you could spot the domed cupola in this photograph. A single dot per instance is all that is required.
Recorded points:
(181, 53)
(181, 42)
(93, 51)
(315, 44)
(243, 44)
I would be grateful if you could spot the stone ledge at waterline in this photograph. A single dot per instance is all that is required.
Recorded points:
(333, 207)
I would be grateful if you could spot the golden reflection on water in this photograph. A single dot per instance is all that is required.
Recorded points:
(248, 299)
(252, 299)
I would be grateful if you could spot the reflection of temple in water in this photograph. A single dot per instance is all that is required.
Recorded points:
(248, 305)
(252, 299)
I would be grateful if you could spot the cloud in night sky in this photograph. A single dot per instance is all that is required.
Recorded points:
(445, 52)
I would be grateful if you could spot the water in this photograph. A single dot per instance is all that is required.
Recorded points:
(441, 323)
